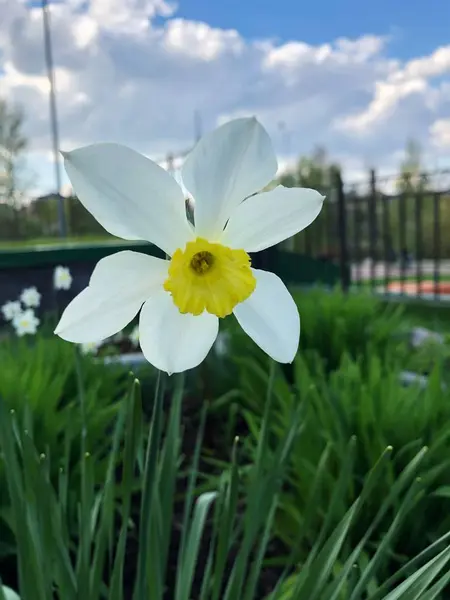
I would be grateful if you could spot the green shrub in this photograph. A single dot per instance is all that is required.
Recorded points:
(365, 400)
(336, 323)
(41, 382)
(224, 535)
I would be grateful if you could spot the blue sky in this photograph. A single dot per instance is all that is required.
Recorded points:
(136, 71)
(416, 27)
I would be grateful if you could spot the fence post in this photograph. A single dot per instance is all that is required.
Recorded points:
(418, 217)
(373, 229)
(437, 241)
(342, 233)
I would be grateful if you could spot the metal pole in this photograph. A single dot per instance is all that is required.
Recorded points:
(344, 263)
(170, 164)
(197, 125)
(373, 229)
(418, 213)
(437, 241)
(402, 239)
(53, 117)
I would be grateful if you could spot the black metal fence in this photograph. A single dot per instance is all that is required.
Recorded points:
(387, 234)
(393, 234)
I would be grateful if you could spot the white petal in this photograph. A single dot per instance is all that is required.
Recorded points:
(119, 285)
(173, 342)
(129, 195)
(269, 218)
(9, 593)
(270, 317)
(225, 167)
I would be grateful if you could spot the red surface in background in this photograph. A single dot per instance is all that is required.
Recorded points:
(425, 287)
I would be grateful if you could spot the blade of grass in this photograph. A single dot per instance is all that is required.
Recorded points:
(133, 440)
(421, 579)
(186, 569)
(146, 572)
(224, 523)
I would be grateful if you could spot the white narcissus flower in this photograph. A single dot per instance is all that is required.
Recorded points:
(134, 336)
(11, 309)
(9, 593)
(25, 323)
(90, 347)
(208, 274)
(62, 279)
(31, 297)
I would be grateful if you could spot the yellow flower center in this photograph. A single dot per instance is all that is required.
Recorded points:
(209, 276)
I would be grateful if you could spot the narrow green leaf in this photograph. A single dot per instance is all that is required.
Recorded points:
(186, 569)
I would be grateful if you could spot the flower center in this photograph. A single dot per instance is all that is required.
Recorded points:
(209, 276)
(202, 262)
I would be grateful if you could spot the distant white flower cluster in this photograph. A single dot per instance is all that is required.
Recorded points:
(11, 309)
(30, 297)
(62, 279)
(26, 323)
(21, 313)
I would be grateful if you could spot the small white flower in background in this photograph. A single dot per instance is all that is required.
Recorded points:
(134, 336)
(25, 323)
(31, 297)
(208, 275)
(9, 593)
(422, 335)
(62, 279)
(11, 309)
(90, 347)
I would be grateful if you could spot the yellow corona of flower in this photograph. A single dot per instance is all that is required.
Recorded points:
(208, 273)
(209, 276)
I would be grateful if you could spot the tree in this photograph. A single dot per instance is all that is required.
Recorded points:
(12, 145)
(315, 171)
(411, 179)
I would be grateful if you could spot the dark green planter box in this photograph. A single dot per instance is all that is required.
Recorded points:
(34, 267)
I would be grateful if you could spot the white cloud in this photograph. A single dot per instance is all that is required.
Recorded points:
(200, 41)
(407, 91)
(440, 133)
(122, 75)
(388, 96)
(128, 16)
